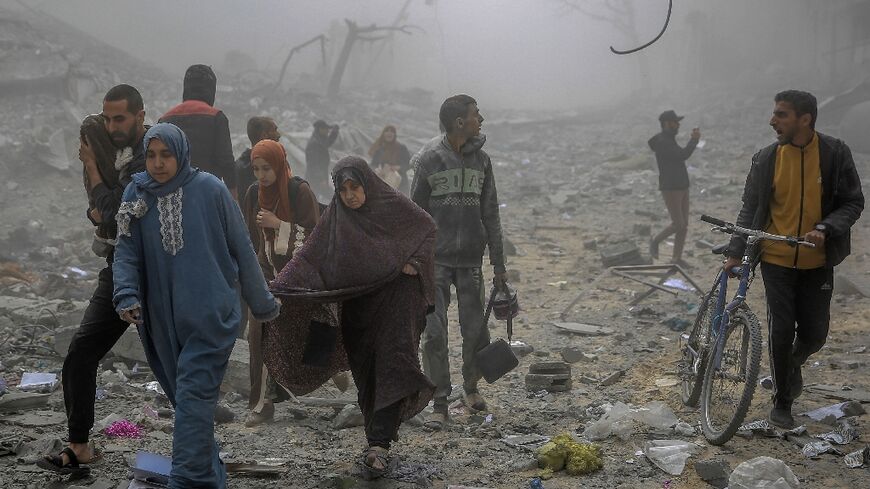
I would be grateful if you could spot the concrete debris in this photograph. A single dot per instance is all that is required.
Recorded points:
(714, 472)
(763, 473)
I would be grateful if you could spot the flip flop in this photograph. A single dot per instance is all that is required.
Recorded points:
(54, 463)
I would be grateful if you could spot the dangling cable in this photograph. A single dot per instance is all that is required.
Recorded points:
(667, 21)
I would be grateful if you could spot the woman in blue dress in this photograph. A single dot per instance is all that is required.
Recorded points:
(183, 252)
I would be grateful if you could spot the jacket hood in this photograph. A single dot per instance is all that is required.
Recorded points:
(200, 83)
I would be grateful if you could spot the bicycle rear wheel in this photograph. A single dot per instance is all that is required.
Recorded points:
(728, 390)
(690, 368)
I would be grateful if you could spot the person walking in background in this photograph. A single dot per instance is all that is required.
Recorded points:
(391, 159)
(673, 182)
(317, 157)
(206, 127)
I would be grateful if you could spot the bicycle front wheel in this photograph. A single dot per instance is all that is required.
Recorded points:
(690, 367)
(728, 390)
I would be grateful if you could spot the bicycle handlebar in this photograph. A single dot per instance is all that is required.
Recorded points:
(729, 228)
(713, 221)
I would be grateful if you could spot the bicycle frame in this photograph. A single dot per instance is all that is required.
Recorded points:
(723, 311)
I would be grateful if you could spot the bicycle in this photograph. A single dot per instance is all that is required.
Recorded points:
(721, 356)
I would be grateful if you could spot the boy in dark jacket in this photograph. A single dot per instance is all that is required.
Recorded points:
(207, 128)
(804, 185)
(454, 183)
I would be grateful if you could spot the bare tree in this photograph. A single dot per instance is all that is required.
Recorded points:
(356, 33)
(298, 48)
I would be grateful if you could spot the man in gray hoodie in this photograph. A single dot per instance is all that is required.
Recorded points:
(454, 183)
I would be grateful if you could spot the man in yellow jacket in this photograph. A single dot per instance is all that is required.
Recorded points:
(804, 185)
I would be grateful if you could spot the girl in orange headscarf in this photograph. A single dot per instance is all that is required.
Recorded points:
(281, 210)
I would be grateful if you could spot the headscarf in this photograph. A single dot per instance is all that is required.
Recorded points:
(176, 141)
(352, 252)
(93, 130)
(200, 83)
(391, 149)
(275, 197)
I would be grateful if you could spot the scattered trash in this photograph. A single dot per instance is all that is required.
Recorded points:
(761, 427)
(620, 420)
(564, 452)
(763, 473)
(100, 394)
(75, 272)
(536, 483)
(848, 408)
(816, 448)
(123, 429)
(858, 458)
(152, 468)
(154, 386)
(679, 284)
(669, 455)
(38, 382)
(521, 348)
(844, 434)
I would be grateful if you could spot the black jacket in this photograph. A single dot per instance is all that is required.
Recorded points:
(458, 191)
(244, 172)
(107, 199)
(842, 198)
(671, 159)
(317, 155)
(208, 131)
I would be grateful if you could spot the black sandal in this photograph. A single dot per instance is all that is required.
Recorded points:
(381, 455)
(55, 464)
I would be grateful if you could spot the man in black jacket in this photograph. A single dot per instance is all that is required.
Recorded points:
(317, 158)
(673, 182)
(101, 327)
(804, 185)
(207, 128)
(454, 183)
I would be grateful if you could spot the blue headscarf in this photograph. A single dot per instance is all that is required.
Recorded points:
(176, 141)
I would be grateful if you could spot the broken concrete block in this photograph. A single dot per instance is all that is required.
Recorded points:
(613, 378)
(621, 254)
(350, 416)
(572, 354)
(714, 472)
(550, 376)
(20, 401)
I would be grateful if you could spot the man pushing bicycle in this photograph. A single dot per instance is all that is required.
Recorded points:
(803, 185)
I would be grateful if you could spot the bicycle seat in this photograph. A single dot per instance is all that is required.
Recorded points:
(720, 249)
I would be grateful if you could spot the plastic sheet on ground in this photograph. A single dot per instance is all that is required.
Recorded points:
(816, 448)
(620, 420)
(844, 434)
(848, 408)
(669, 455)
(38, 382)
(763, 473)
(858, 458)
